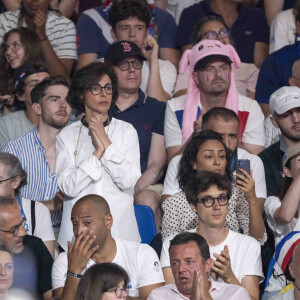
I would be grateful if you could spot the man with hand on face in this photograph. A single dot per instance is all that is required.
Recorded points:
(191, 263)
(32, 260)
(92, 222)
(146, 114)
(56, 33)
(237, 258)
(36, 150)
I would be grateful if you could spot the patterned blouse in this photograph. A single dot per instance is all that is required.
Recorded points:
(179, 217)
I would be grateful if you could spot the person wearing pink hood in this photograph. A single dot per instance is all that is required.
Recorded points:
(211, 84)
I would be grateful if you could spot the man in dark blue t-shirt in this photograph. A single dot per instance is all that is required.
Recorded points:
(146, 114)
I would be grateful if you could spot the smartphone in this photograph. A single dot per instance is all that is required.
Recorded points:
(245, 165)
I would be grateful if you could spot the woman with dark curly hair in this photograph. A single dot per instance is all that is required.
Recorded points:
(106, 281)
(98, 154)
(206, 151)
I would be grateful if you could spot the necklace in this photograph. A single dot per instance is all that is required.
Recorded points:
(85, 123)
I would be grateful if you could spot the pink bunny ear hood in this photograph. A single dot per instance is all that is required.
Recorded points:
(191, 57)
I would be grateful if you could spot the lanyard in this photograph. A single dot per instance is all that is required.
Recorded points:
(22, 210)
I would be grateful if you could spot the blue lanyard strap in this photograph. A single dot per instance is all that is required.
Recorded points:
(22, 210)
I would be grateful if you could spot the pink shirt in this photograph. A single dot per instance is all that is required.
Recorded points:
(218, 291)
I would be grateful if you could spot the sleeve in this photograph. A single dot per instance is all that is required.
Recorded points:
(252, 263)
(153, 296)
(252, 76)
(70, 180)
(254, 132)
(4, 133)
(149, 267)
(271, 205)
(167, 31)
(171, 185)
(168, 74)
(269, 80)
(182, 81)
(2, 28)
(173, 134)
(43, 228)
(164, 256)
(259, 177)
(279, 32)
(160, 118)
(59, 271)
(67, 43)
(124, 166)
(90, 38)
(242, 212)
(44, 270)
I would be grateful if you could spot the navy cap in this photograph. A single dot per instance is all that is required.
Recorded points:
(26, 70)
(119, 51)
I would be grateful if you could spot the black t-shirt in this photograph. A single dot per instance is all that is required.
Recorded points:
(32, 267)
(272, 160)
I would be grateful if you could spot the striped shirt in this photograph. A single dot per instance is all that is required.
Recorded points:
(41, 184)
(60, 32)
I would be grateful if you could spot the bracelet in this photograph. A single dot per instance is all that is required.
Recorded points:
(71, 274)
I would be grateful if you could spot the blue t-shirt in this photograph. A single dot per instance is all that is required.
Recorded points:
(93, 30)
(250, 27)
(276, 71)
(147, 116)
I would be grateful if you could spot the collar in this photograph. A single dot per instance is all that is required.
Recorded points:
(86, 124)
(213, 285)
(37, 139)
(141, 100)
(174, 289)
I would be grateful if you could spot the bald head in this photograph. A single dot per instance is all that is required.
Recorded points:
(295, 79)
(98, 202)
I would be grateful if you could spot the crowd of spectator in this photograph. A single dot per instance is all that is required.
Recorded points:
(189, 108)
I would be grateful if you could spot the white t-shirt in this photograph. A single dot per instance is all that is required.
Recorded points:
(139, 260)
(244, 254)
(60, 32)
(167, 72)
(279, 231)
(282, 31)
(43, 224)
(254, 132)
(171, 185)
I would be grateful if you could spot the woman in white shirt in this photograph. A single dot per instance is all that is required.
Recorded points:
(98, 154)
(283, 212)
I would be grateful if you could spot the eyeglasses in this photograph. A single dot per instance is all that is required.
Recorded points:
(214, 35)
(7, 179)
(15, 230)
(210, 201)
(119, 292)
(14, 47)
(97, 89)
(125, 65)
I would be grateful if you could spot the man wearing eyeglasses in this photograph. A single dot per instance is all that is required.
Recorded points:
(32, 260)
(146, 114)
(236, 257)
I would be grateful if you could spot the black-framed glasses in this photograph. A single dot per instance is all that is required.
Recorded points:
(210, 201)
(125, 65)
(97, 89)
(217, 35)
(14, 47)
(8, 179)
(15, 230)
(119, 292)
